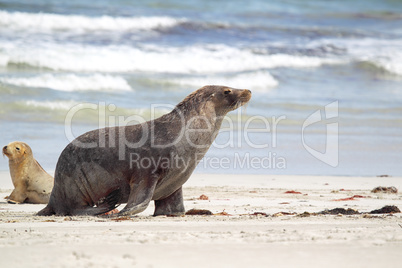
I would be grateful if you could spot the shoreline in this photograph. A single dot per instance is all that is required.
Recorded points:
(224, 179)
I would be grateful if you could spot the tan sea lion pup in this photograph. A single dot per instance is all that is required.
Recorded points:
(32, 183)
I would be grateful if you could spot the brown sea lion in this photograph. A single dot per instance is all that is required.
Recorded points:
(138, 163)
(32, 183)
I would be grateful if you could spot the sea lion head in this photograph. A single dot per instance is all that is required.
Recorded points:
(220, 99)
(17, 151)
(226, 99)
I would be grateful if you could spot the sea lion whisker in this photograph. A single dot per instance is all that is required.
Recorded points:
(245, 107)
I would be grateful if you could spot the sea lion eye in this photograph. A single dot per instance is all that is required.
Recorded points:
(227, 91)
(16, 148)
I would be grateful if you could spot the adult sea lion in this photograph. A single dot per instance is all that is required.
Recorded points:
(32, 183)
(138, 163)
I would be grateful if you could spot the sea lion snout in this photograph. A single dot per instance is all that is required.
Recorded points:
(245, 95)
(5, 150)
(246, 92)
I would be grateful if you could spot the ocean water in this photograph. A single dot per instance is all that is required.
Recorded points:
(326, 77)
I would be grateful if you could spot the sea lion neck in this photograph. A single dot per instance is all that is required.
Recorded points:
(187, 111)
(17, 166)
(20, 160)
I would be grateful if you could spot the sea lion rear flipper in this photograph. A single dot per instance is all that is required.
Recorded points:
(171, 206)
(17, 196)
(140, 195)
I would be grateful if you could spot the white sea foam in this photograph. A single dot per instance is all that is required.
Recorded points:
(55, 22)
(394, 65)
(191, 59)
(260, 81)
(83, 114)
(390, 60)
(385, 54)
(70, 82)
(51, 105)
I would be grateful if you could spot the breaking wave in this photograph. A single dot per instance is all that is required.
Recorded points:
(70, 82)
(55, 22)
(191, 59)
(385, 55)
(259, 81)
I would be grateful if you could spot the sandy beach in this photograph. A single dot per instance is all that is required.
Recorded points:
(255, 224)
(287, 182)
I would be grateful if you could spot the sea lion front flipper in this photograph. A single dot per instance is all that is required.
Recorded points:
(17, 196)
(140, 195)
(171, 206)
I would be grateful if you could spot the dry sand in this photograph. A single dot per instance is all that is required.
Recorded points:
(239, 239)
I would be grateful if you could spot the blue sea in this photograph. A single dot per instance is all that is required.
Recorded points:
(326, 77)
